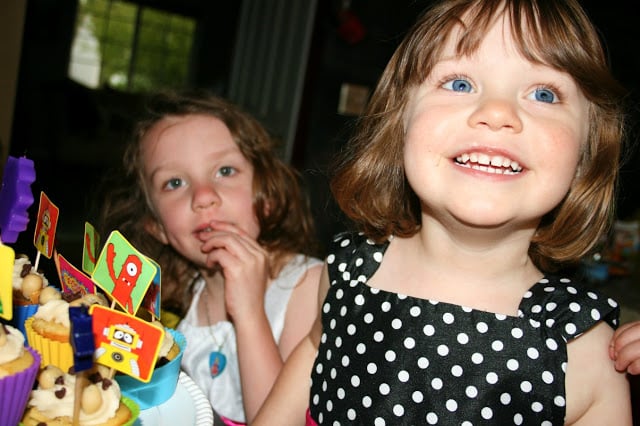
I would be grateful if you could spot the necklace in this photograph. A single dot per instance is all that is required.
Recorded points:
(217, 359)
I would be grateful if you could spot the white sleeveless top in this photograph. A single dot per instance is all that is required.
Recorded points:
(224, 391)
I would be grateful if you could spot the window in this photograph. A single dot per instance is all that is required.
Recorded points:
(130, 47)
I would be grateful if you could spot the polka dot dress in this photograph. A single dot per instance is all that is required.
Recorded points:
(390, 359)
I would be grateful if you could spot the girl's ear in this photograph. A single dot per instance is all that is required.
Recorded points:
(156, 230)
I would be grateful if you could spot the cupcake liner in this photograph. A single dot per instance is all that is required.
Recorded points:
(133, 407)
(52, 352)
(163, 382)
(20, 314)
(15, 391)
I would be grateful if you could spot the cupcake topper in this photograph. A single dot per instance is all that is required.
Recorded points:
(45, 232)
(90, 248)
(15, 197)
(123, 272)
(72, 280)
(7, 257)
(125, 343)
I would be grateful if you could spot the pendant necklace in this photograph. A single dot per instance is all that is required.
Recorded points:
(217, 359)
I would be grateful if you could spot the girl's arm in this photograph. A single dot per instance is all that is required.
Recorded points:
(625, 348)
(595, 392)
(289, 398)
(260, 358)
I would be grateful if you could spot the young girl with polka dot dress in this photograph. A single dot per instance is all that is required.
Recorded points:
(485, 164)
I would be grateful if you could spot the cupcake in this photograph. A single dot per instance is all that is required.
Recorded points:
(18, 369)
(165, 374)
(27, 285)
(48, 330)
(52, 402)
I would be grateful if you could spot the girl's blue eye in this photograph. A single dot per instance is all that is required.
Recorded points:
(545, 95)
(226, 171)
(458, 85)
(173, 183)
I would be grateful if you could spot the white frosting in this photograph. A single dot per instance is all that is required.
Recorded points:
(13, 346)
(56, 310)
(166, 345)
(18, 264)
(52, 406)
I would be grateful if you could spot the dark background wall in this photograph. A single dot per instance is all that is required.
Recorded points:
(71, 131)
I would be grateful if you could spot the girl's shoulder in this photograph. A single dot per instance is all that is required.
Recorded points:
(569, 304)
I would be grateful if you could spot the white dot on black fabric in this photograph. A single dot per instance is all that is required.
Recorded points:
(517, 419)
(612, 303)
(351, 414)
(332, 323)
(378, 336)
(359, 262)
(338, 342)
(361, 348)
(415, 311)
(550, 322)
(534, 323)
(517, 333)
(462, 338)
(398, 410)
(345, 361)
(452, 405)
(384, 389)
(351, 329)
(417, 397)
(551, 306)
(477, 358)
(366, 402)
(331, 258)
(339, 293)
(574, 307)
(456, 371)
(471, 391)
(595, 315)
(423, 362)
(497, 345)
(536, 407)
(403, 376)
(390, 355)
(491, 378)
(436, 383)
(372, 368)
(448, 318)
(525, 386)
(432, 418)
(319, 368)
(513, 364)
(343, 311)
(396, 324)
(377, 256)
(551, 344)
(379, 422)
(533, 353)
(428, 330)
(482, 327)
(346, 276)
(536, 309)
(329, 405)
(443, 350)
(559, 401)
(505, 399)
(486, 413)
(368, 318)
(334, 373)
(355, 381)
(409, 343)
(572, 290)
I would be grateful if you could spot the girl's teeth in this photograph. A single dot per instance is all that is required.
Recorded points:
(492, 164)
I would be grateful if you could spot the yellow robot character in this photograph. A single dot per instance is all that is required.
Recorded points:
(117, 349)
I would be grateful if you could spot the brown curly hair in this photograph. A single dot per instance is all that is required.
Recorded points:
(286, 227)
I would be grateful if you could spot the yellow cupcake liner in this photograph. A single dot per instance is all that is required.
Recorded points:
(52, 352)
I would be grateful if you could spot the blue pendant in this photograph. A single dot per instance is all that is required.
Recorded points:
(217, 363)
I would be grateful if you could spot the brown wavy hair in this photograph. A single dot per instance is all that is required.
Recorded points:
(286, 227)
(368, 179)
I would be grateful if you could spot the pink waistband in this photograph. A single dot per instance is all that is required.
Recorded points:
(230, 422)
(310, 421)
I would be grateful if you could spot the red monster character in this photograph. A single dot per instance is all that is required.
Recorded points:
(126, 281)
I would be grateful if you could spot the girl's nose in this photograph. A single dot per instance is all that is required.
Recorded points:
(497, 114)
(204, 196)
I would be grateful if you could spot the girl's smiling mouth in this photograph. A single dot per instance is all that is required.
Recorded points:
(496, 164)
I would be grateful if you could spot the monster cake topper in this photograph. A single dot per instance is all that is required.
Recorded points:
(125, 343)
(123, 272)
(90, 248)
(72, 280)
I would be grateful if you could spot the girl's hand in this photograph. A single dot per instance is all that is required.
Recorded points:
(244, 264)
(625, 348)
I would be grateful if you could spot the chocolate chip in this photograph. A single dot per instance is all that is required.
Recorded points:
(106, 384)
(26, 268)
(60, 393)
(59, 380)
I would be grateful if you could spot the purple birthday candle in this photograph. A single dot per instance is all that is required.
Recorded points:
(15, 197)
